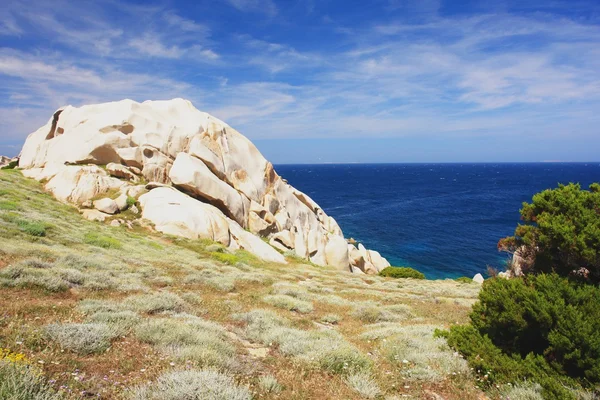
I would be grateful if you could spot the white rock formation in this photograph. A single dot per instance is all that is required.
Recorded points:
(478, 278)
(206, 179)
(106, 205)
(4, 161)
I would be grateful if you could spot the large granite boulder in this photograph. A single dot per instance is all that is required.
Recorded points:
(206, 180)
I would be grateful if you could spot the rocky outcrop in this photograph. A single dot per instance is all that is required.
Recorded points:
(206, 180)
(4, 161)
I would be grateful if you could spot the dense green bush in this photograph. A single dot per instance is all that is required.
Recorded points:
(401, 272)
(11, 165)
(561, 233)
(541, 327)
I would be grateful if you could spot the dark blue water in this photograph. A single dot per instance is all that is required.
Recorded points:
(442, 219)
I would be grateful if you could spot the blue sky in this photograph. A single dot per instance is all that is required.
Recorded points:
(313, 81)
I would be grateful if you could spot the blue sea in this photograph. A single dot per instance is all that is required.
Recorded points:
(442, 219)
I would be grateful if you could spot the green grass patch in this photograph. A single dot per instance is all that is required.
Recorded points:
(106, 242)
(8, 205)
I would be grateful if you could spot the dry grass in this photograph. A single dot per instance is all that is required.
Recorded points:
(141, 315)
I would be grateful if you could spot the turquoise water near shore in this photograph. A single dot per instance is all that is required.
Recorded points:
(442, 219)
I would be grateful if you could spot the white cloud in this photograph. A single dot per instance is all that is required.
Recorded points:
(494, 74)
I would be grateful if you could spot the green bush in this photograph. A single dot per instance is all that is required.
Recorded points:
(105, 242)
(11, 165)
(542, 327)
(561, 233)
(131, 201)
(401, 272)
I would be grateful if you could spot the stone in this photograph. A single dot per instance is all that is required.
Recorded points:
(218, 173)
(106, 205)
(282, 240)
(78, 184)
(377, 260)
(121, 202)
(178, 214)
(336, 253)
(4, 161)
(95, 215)
(134, 209)
(121, 171)
(504, 275)
(478, 278)
(193, 176)
(252, 243)
(136, 191)
(115, 223)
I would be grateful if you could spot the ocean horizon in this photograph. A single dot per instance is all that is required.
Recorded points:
(443, 219)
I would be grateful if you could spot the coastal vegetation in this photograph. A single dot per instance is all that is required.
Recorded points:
(543, 325)
(129, 313)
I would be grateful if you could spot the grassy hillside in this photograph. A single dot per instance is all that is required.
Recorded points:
(89, 310)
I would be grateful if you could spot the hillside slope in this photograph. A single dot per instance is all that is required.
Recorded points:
(117, 313)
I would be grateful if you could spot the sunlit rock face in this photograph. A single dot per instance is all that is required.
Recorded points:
(203, 179)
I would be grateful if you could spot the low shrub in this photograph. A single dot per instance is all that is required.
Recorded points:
(155, 302)
(106, 242)
(289, 303)
(192, 385)
(371, 312)
(82, 338)
(421, 355)
(363, 384)
(269, 384)
(189, 338)
(24, 382)
(332, 319)
(327, 350)
(121, 321)
(401, 272)
(24, 277)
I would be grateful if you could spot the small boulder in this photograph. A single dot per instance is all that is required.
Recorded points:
(478, 278)
(115, 223)
(121, 171)
(336, 253)
(136, 191)
(122, 202)
(94, 215)
(4, 161)
(106, 205)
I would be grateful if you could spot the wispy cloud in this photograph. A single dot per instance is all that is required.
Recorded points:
(493, 73)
